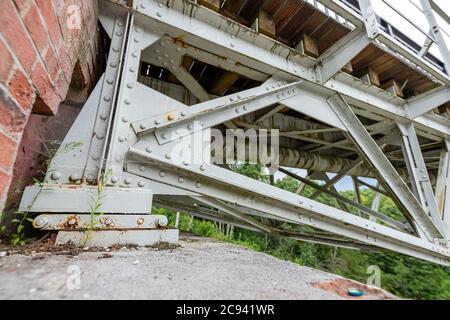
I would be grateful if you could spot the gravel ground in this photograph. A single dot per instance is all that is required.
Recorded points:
(199, 269)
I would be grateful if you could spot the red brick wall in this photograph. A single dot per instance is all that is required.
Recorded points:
(42, 53)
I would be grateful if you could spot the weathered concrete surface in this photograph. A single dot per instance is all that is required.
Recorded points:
(199, 269)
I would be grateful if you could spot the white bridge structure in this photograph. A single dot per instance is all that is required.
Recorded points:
(347, 91)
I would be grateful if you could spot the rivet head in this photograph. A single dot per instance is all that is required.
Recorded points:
(99, 135)
(132, 69)
(157, 122)
(159, 14)
(127, 181)
(162, 174)
(149, 149)
(180, 179)
(114, 179)
(40, 221)
(113, 65)
(168, 156)
(164, 136)
(116, 49)
(202, 168)
(171, 117)
(140, 221)
(141, 184)
(122, 139)
(124, 119)
(56, 175)
(183, 114)
(143, 126)
(103, 116)
(109, 81)
(74, 177)
(130, 86)
(127, 102)
(119, 33)
(142, 168)
(186, 163)
(198, 184)
(107, 98)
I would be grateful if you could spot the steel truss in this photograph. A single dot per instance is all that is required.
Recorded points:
(128, 134)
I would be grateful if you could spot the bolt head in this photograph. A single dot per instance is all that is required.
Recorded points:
(162, 221)
(56, 175)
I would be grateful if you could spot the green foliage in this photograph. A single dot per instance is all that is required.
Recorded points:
(17, 237)
(403, 276)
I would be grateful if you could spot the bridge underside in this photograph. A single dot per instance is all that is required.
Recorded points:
(339, 98)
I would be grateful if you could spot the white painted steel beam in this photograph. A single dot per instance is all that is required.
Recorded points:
(336, 57)
(387, 173)
(428, 101)
(207, 31)
(222, 184)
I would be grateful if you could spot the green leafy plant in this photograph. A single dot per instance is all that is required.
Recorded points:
(17, 237)
(97, 202)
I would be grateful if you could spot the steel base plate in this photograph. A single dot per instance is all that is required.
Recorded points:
(108, 238)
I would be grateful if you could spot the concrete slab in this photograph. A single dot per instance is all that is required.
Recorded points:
(197, 269)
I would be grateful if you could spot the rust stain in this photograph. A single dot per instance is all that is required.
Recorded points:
(179, 41)
(341, 286)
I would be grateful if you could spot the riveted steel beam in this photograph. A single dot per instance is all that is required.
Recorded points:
(370, 151)
(261, 53)
(222, 184)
